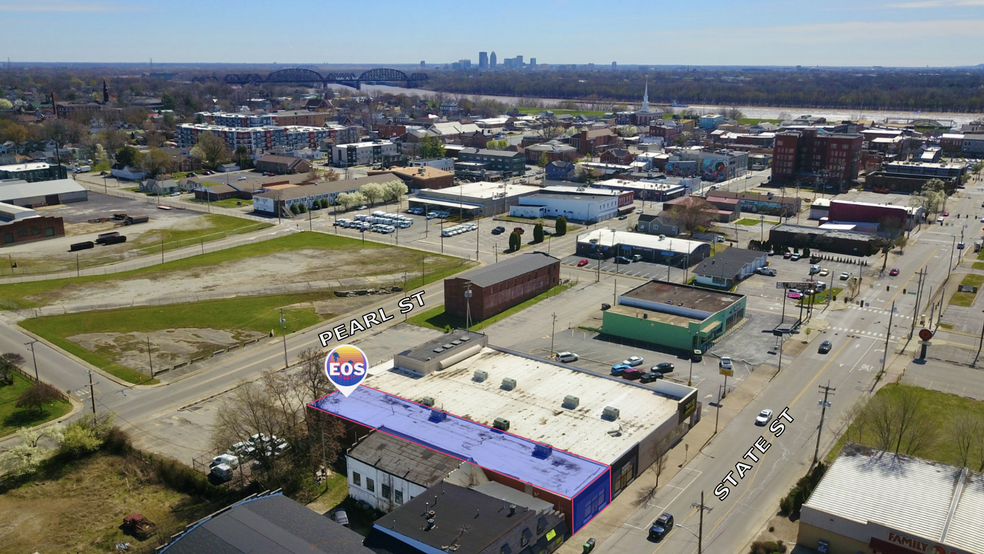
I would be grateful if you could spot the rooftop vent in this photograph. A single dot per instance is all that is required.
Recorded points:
(456, 342)
(427, 401)
(480, 375)
(508, 383)
(447, 346)
(464, 339)
(610, 413)
(438, 350)
(437, 416)
(501, 424)
(571, 402)
(542, 451)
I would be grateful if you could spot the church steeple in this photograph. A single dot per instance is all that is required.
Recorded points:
(645, 98)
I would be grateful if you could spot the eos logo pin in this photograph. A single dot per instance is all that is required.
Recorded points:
(346, 366)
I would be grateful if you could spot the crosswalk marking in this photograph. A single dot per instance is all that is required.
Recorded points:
(862, 332)
(878, 311)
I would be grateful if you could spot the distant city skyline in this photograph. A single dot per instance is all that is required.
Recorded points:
(896, 33)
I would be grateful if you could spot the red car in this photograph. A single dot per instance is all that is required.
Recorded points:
(633, 373)
(894, 271)
(582, 263)
(946, 214)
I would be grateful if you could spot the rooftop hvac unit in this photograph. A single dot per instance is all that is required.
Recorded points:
(609, 412)
(508, 383)
(542, 451)
(501, 424)
(427, 401)
(481, 375)
(571, 402)
(437, 416)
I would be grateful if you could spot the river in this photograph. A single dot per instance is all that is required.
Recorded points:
(756, 112)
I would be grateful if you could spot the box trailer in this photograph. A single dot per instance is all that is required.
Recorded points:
(81, 246)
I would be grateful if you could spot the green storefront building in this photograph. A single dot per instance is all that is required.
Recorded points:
(675, 316)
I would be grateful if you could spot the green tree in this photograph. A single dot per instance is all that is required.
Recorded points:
(538, 232)
(302, 208)
(127, 156)
(373, 192)
(213, 149)
(157, 161)
(167, 101)
(543, 161)
(242, 157)
(9, 362)
(294, 209)
(431, 147)
(515, 241)
(560, 228)
(930, 197)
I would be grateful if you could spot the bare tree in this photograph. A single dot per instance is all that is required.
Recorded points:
(883, 421)
(312, 374)
(964, 429)
(733, 113)
(659, 452)
(909, 406)
(9, 362)
(213, 148)
(695, 215)
(860, 420)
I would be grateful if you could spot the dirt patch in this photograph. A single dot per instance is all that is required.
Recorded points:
(783, 529)
(254, 274)
(167, 347)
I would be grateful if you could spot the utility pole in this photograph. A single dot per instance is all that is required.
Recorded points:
(700, 525)
(953, 248)
(162, 250)
(915, 310)
(553, 328)
(283, 325)
(150, 358)
(827, 389)
(888, 336)
(92, 393)
(78, 272)
(717, 412)
(37, 378)
(478, 232)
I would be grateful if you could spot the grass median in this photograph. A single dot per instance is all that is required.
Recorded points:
(13, 418)
(437, 318)
(966, 299)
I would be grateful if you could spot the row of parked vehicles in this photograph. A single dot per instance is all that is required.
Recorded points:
(384, 218)
(458, 229)
(224, 465)
(437, 214)
(629, 369)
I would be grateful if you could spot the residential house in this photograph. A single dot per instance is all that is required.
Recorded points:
(282, 165)
(727, 268)
(560, 171)
(159, 187)
(128, 173)
(617, 156)
(552, 150)
(593, 141)
(657, 225)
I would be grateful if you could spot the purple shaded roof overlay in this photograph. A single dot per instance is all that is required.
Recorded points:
(549, 469)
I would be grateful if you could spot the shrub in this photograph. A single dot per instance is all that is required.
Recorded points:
(294, 209)
(538, 233)
(117, 441)
(560, 228)
(515, 241)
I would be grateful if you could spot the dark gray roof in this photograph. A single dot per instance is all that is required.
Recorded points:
(727, 264)
(831, 233)
(404, 459)
(272, 524)
(462, 338)
(513, 267)
(485, 152)
(486, 522)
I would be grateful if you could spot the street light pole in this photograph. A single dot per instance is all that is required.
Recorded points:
(283, 325)
(468, 295)
(553, 328)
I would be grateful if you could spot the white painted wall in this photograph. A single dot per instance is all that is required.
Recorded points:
(379, 478)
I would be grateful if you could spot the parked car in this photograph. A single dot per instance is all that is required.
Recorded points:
(795, 294)
(605, 306)
(795, 258)
(961, 246)
(617, 369)
(340, 517)
(637, 258)
(623, 217)
(660, 527)
(824, 272)
(725, 362)
(939, 219)
(763, 417)
(894, 271)
(633, 361)
(766, 271)
(622, 260)
(946, 214)
(241, 178)
(498, 230)
(825, 347)
(582, 263)
(650, 377)
(844, 276)
(632, 373)
(814, 269)
(566, 357)
(787, 255)
(665, 367)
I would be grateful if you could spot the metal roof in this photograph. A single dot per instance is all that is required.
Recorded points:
(607, 238)
(21, 189)
(910, 494)
(728, 264)
(508, 269)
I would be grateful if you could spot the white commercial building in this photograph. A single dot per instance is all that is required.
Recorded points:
(364, 153)
(482, 198)
(582, 208)
(870, 501)
(653, 248)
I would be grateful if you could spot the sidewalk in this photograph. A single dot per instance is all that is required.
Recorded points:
(623, 507)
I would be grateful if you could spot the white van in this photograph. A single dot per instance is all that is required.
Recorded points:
(566, 357)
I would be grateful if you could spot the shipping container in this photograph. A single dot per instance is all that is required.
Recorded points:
(81, 246)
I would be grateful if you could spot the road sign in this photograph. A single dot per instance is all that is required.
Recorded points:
(802, 285)
(925, 334)
(728, 372)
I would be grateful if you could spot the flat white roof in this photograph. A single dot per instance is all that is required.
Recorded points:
(535, 407)
(22, 189)
(605, 237)
(821, 203)
(902, 492)
(661, 185)
(484, 190)
(24, 167)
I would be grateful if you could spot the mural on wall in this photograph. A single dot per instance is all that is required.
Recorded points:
(714, 170)
(680, 168)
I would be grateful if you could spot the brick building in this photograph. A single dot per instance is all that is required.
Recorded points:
(282, 165)
(30, 229)
(501, 286)
(593, 141)
(811, 154)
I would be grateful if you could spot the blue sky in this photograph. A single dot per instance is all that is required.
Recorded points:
(653, 32)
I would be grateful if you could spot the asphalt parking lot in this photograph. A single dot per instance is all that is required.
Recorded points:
(642, 269)
(101, 205)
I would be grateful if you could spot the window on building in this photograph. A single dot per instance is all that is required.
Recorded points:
(356, 478)
(386, 491)
(370, 485)
(398, 497)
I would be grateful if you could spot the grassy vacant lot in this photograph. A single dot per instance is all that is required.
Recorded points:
(226, 203)
(941, 410)
(12, 417)
(256, 313)
(821, 297)
(212, 227)
(966, 299)
(435, 318)
(34, 294)
(78, 507)
(547, 223)
(749, 221)
(978, 265)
